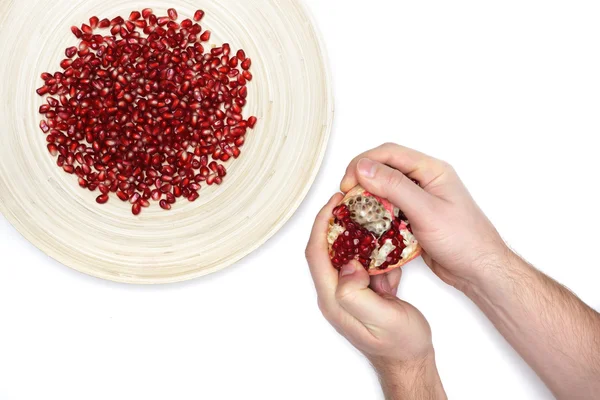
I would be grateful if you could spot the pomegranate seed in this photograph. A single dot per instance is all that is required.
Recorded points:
(198, 15)
(86, 29)
(136, 209)
(134, 16)
(164, 205)
(246, 64)
(94, 22)
(102, 199)
(241, 55)
(105, 23)
(252, 122)
(172, 13)
(205, 37)
(146, 12)
(76, 31)
(42, 91)
(71, 51)
(122, 195)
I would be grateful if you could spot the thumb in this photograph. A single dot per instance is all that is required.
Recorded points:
(393, 185)
(354, 295)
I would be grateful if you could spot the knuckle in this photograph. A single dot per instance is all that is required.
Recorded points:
(389, 146)
(446, 166)
(324, 309)
(345, 296)
(394, 180)
(307, 252)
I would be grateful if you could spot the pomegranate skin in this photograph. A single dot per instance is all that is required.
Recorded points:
(369, 262)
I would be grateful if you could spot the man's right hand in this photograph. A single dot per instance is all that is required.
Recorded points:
(459, 241)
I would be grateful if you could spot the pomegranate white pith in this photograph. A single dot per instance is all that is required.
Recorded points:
(372, 231)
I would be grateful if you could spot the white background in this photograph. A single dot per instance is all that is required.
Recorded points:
(509, 92)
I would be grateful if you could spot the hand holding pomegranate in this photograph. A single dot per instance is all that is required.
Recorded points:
(458, 239)
(397, 198)
(393, 334)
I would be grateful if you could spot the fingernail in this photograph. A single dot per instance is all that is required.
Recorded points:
(347, 269)
(366, 168)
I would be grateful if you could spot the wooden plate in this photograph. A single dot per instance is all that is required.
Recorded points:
(290, 94)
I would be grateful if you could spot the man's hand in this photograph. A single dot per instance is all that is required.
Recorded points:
(393, 335)
(458, 239)
(553, 330)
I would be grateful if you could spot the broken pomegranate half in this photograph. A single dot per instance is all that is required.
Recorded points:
(372, 231)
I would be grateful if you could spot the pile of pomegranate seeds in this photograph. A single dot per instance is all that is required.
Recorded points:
(145, 111)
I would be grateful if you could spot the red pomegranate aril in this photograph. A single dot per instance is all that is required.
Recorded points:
(134, 16)
(42, 91)
(71, 51)
(205, 37)
(104, 23)
(164, 205)
(247, 64)
(252, 122)
(86, 29)
(94, 22)
(122, 195)
(170, 198)
(146, 12)
(130, 27)
(53, 149)
(172, 13)
(102, 199)
(135, 198)
(136, 209)
(198, 15)
(76, 31)
(156, 195)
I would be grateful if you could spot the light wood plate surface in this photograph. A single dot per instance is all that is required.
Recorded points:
(290, 94)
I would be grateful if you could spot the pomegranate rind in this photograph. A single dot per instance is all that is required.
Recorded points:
(360, 191)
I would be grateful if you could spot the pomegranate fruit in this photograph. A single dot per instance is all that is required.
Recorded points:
(144, 109)
(372, 231)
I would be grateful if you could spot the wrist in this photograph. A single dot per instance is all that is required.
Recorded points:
(487, 268)
(417, 378)
(497, 270)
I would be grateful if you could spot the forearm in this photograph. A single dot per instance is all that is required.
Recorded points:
(553, 330)
(417, 381)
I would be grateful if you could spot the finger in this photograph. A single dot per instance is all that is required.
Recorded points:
(391, 184)
(317, 252)
(412, 163)
(354, 295)
(387, 283)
